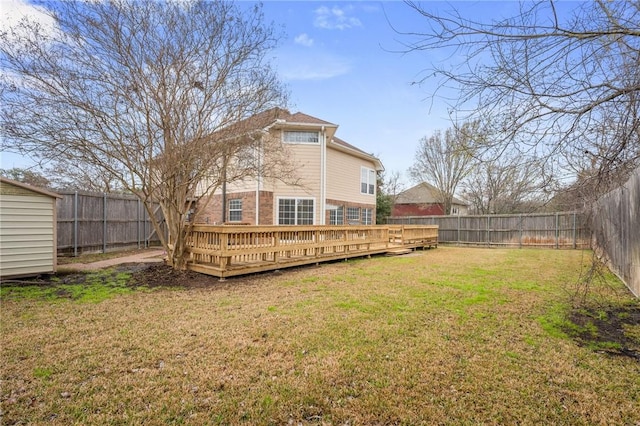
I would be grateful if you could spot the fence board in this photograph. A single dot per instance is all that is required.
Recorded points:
(553, 230)
(616, 225)
(95, 222)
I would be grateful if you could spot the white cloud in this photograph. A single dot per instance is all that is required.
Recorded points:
(335, 18)
(303, 65)
(304, 40)
(14, 11)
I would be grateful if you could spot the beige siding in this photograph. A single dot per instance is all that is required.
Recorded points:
(246, 185)
(343, 177)
(306, 158)
(27, 234)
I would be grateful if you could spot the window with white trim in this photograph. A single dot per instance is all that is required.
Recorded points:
(295, 211)
(367, 181)
(235, 210)
(336, 216)
(353, 215)
(367, 216)
(297, 136)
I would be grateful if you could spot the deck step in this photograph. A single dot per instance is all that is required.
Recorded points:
(398, 252)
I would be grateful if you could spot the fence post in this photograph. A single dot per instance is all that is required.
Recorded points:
(75, 224)
(144, 227)
(521, 230)
(489, 230)
(575, 243)
(104, 222)
(138, 221)
(557, 230)
(458, 229)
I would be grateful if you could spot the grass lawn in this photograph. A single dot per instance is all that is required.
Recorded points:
(446, 336)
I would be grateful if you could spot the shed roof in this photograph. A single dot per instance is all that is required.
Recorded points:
(423, 193)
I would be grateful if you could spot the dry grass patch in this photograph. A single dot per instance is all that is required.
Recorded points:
(451, 336)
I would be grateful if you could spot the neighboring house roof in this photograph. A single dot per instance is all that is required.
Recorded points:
(423, 193)
(29, 187)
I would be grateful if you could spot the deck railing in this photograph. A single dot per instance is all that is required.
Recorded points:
(412, 235)
(233, 250)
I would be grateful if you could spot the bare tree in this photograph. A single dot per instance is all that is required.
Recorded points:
(147, 92)
(389, 186)
(506, 185)
(27, 176)
(553, 81)
(444, 159)
(87, 177)
(393, 185)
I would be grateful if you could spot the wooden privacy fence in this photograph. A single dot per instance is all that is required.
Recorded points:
(225, 251)
(552, 230)
(616, 228)
(93, 222)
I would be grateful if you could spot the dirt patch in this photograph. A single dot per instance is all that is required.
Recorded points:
(613, 330)
(158, 275)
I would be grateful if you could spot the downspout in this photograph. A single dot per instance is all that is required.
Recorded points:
(259, 179)
(323, 177)
(224, 191)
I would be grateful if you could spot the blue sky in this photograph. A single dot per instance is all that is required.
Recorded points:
(342, 63)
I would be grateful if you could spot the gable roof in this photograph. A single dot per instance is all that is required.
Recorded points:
(277, 115)
(341, 145)
(302, 118)
(282, 118)
(423, 193)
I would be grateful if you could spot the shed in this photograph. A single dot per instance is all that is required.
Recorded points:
(27, 230)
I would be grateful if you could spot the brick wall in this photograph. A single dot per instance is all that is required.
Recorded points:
(417, 210)
(347, 204)
(213, 212)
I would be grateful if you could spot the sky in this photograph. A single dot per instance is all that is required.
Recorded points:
(343, 62)
(346, 63)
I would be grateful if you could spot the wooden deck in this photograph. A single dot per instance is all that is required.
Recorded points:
(226, 251)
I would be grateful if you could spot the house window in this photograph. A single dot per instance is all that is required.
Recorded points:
(300, 137)
(367, 216)
(367, 181)
(353, 215)
(295, 211)
(336, 216)
(235, 210)
(191, 214)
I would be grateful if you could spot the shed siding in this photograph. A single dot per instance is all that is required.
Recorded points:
(27, 234)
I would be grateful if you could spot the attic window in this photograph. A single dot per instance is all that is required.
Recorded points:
(300, 137)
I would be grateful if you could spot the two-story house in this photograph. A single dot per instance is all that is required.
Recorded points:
(335, 181)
